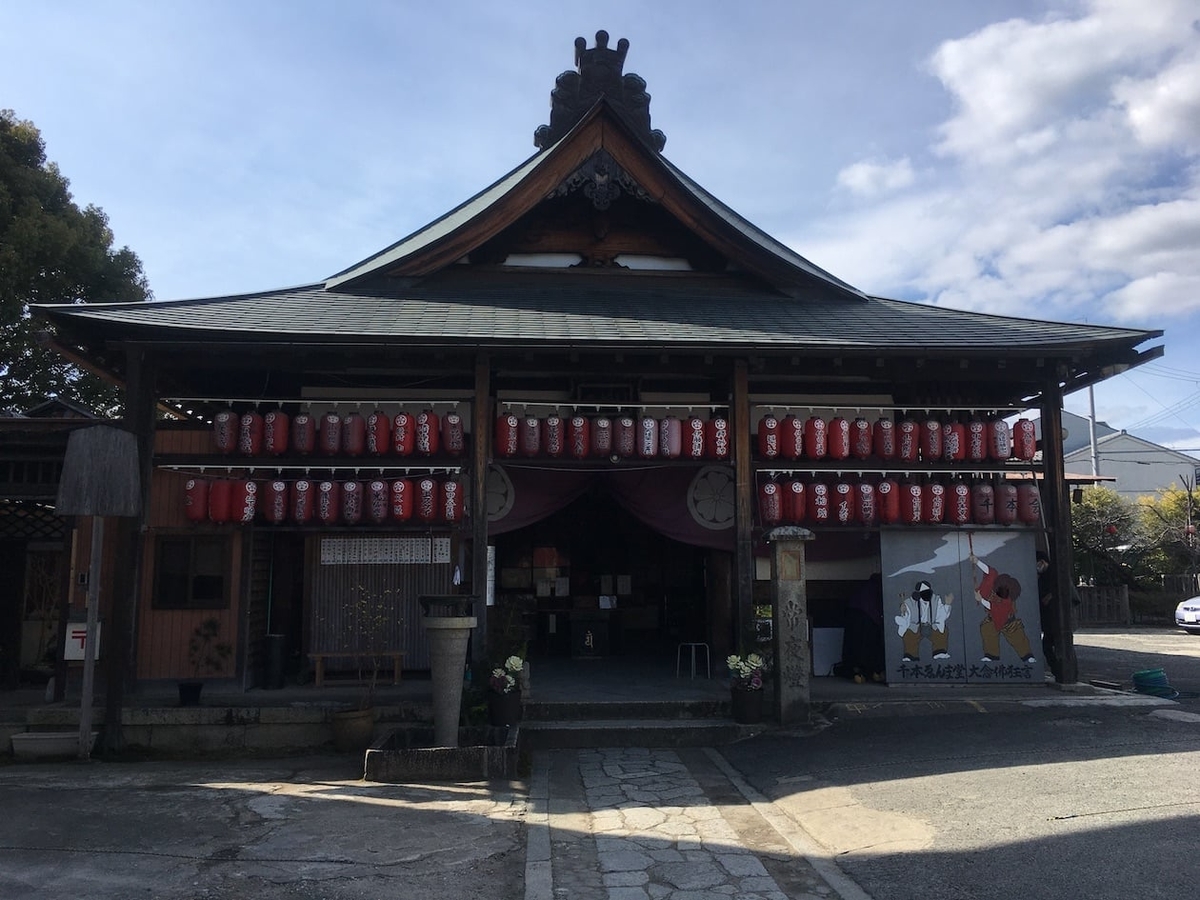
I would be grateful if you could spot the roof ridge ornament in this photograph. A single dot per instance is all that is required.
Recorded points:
(599, 75)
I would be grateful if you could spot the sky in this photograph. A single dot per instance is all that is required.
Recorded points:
(1034, 158)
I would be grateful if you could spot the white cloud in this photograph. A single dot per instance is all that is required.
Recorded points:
(1059, 185)
(869, 179)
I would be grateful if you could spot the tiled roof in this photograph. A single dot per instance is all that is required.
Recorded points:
(564, 308)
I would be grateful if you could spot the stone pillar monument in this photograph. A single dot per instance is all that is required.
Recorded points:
(449, 622)
(789, 612)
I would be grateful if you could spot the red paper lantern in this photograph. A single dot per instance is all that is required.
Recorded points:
(845, 503)
(983, 503)
(379, 433)
(999, 440)
(819, 503)
(624, 437)
(861, 438)
(302, 500)
(868, 510)
(195, 499)
(250, 434)
(816, 438)
(579, 436)
(885, 439)
(1024, 439)
(693, 443)
(959, 506)
(352, 502)
(912, 503)
(304, 434)
(529, 435)
(647, 437)
(768, 437)
(554, 435)
(454, 434)
(716, 437)
(275, 432)
(452, 501)
(354, 434)
(329, 502)
(428, 433)
(220, 501)
(795, 497)
(404, 434)
(1029, 504)
(888, 494)
(670, 438)
(838, 443)
(225, 431)
(427, 499)
(376, 508)
(329, 434)
(791, 437)
(933, 503)
(1006, 503)
(908, 441)
(770, 504)
(506, 436)
(402, 500)
(931, 439)
(977, 442)
(602, 436)
(275, 502)
(954, 441)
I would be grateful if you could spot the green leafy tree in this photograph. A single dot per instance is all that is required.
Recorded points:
(51, 251)
(1165, 518)
(1110, 542)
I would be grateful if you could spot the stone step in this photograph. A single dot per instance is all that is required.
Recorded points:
(563, 711)
(558, 734)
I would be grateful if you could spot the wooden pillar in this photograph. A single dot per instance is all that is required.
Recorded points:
(120, 663)
(743, 557)
(480, 457)
(1057, 510)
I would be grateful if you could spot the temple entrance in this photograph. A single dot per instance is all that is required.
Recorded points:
(592, 582)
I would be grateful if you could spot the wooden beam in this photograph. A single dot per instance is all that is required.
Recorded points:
(743, 558)
(481, 412)
(1057, 511)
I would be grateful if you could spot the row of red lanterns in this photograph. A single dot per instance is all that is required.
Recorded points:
(604, 437)
(426, 500)
(908, 440)
(795, 501)
(330, 434)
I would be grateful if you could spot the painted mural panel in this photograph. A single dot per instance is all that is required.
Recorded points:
(960, 606)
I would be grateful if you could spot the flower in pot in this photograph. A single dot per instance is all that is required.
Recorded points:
(504, 693)
(747, 673)
(207, 654)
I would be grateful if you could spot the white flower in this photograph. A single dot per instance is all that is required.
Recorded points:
(514, 664)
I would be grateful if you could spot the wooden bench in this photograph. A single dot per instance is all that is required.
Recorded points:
(396, 656)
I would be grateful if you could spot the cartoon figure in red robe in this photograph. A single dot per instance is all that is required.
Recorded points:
(997, 593)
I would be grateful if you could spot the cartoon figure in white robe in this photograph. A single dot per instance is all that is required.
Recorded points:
(923, 615)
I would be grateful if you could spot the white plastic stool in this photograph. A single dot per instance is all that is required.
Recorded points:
(693, 646)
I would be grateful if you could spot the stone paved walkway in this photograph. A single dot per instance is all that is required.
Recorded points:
(661, 824)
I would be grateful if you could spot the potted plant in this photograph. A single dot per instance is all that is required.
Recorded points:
(747, 673)
(207, 654)
(504, 692)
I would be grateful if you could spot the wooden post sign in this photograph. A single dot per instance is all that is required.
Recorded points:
(99, 478)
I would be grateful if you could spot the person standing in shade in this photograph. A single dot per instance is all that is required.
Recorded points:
(1049, 614)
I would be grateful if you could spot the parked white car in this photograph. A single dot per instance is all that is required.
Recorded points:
(1187, 615)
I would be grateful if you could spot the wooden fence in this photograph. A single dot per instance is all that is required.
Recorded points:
(1104, 606)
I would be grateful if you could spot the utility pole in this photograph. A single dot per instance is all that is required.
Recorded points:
(1092, 429)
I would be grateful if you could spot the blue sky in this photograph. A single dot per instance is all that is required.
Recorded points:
(1025, 157)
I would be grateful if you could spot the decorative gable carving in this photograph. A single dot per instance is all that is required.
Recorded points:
(598, 76)
(602, 180)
